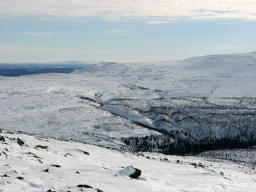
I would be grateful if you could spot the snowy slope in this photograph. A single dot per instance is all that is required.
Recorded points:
(202, 99)
(42, 164)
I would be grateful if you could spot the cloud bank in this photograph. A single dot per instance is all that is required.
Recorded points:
(154, 11)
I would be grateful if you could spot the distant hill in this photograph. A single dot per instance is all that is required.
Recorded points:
(173, 107)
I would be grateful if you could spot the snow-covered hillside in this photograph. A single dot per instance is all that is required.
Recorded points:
(172, 107)
(29, 163)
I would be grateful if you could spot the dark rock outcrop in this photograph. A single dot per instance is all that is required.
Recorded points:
(58, 166)
(136, 173)
(50, 190)
(41, 147)
(2, 139)
(20, 142)
(131, 172)
(84, 186)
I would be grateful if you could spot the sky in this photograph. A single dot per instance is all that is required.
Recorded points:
(124, 30)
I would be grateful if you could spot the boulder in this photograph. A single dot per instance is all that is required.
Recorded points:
(20, 142)
(2, 138)
(131, 172)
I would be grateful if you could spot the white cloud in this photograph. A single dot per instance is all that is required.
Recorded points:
(37, 33)
(144, 9)
(159, 21)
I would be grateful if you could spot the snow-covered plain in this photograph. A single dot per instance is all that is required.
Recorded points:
(43, 164)
(198, 100)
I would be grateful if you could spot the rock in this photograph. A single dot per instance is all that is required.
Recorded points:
(67, 154)
(178, 161)
(50, 190)
(194, 164)
(4, 153)
(20, 178)
(58, 166)
(131, 172)
(42, 147)
(221, 173)
(40, 161)
(84, 186)
(37, 157)
(46, 170)
(2, 139)
(86, 153)
(20, 142)
(200, 165)
(98, 190)
(136, 174)
(4, 175)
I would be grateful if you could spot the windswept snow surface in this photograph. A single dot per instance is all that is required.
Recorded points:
(42, 164)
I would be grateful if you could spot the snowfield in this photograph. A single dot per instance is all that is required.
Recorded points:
(150, 109)
(42, 164)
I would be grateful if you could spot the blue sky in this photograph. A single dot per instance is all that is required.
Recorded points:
(111, 30)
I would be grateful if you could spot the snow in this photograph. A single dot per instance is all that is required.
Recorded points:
(129, 170)
(104, 169)
(103, 104)
(129, 114)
